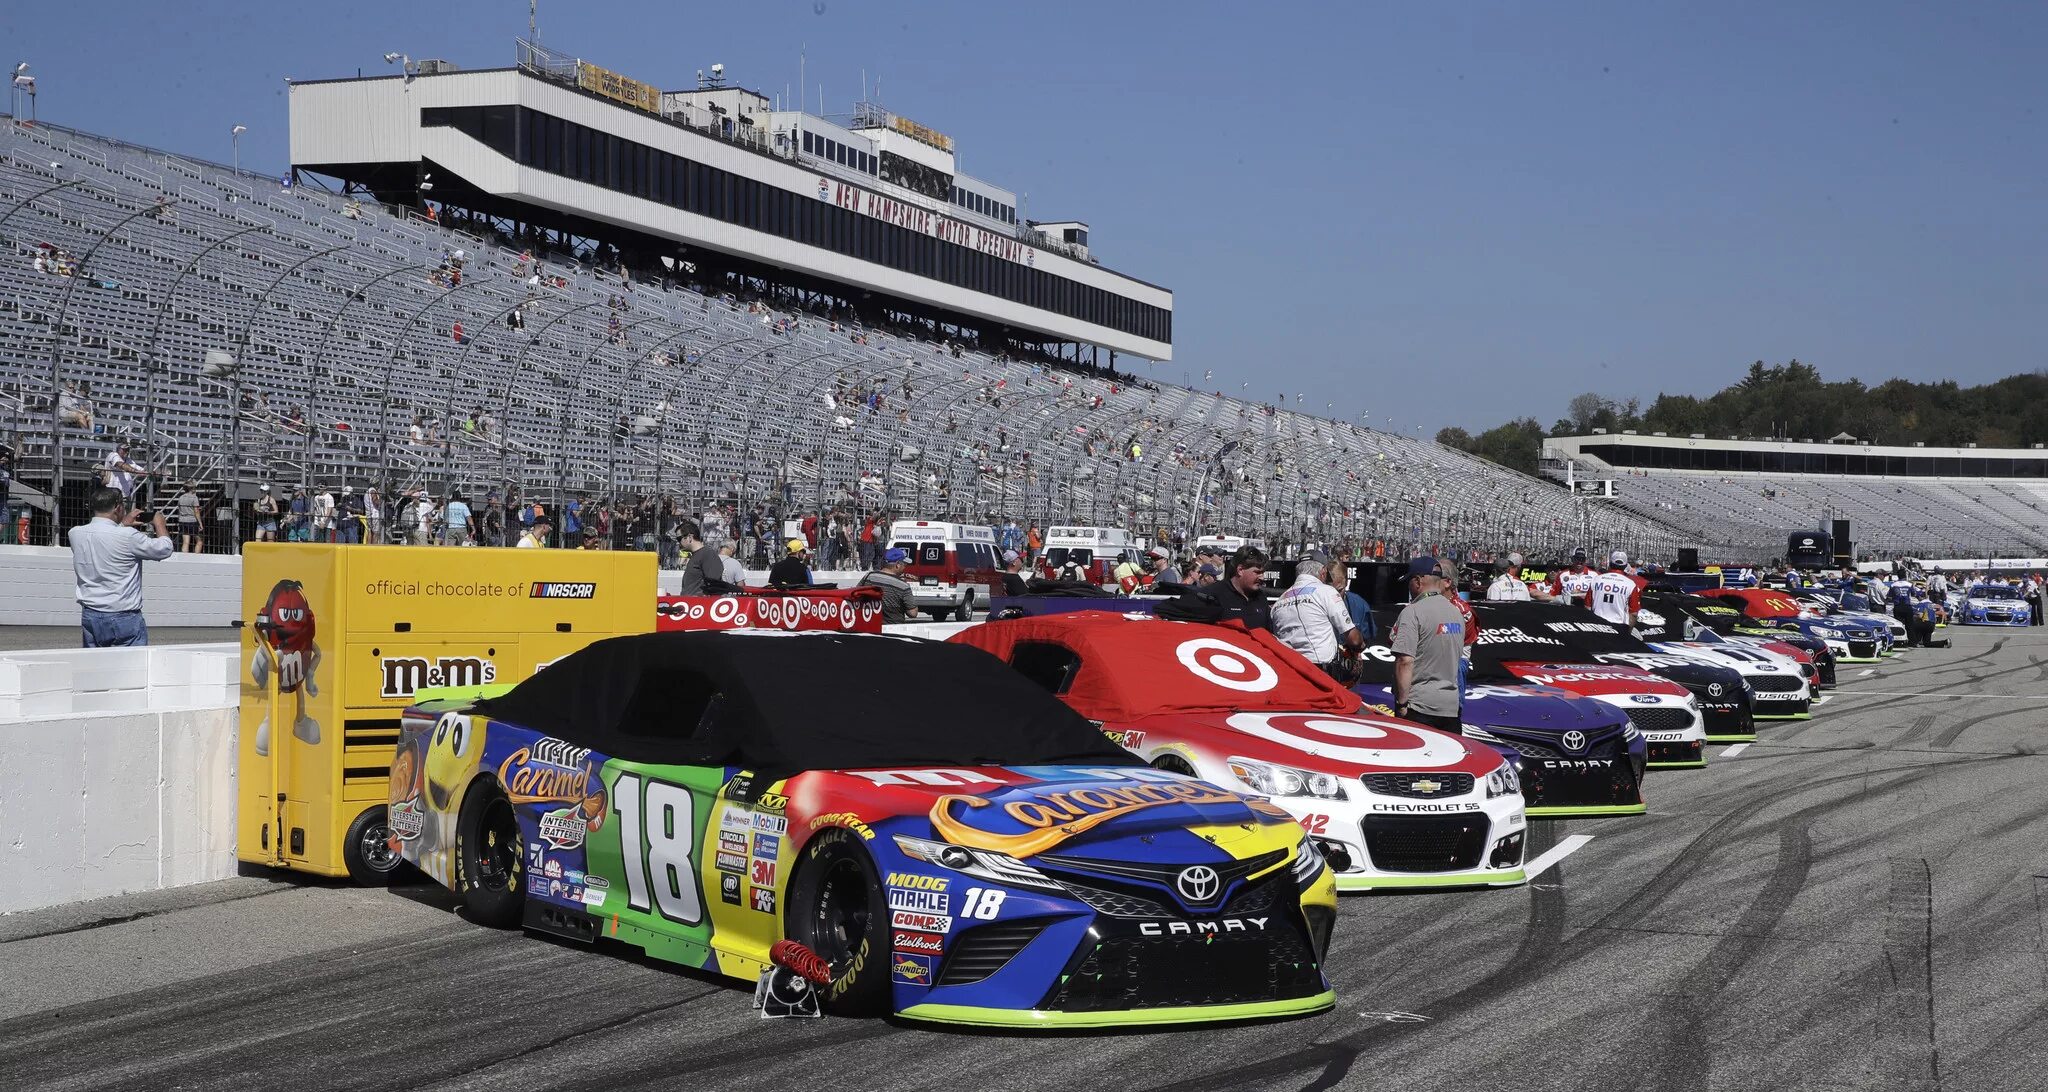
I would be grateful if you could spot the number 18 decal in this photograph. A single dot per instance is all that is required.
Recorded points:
(657, 833)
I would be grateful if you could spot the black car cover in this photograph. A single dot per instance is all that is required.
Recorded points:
(1719, 615)
(779, 703)
(1523, 631)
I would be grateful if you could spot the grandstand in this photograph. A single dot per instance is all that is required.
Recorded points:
(1742, 496)
(244, 330)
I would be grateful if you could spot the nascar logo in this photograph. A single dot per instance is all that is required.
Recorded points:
(544, 590)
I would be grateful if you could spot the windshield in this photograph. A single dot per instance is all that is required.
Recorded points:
(1994, 591)
(1059, 555)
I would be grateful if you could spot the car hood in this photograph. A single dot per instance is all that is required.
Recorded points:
(1348, 745)
(1596, 679)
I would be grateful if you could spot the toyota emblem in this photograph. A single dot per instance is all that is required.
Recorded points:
(1198, 884)
(1574, 740)
(1713, 690)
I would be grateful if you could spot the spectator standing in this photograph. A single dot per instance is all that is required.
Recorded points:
(106, 558)
(735, 573)
(572, 521)
(323, 516)
(1361, 611)
(117, 471)
(455, 518)
(422, 519)
(299, 521)
(1428, 644)
(1164, 571)
(792, 571)
(1617, 595)
(536, 536)
(373, 515)
(1014, 582)
(702, 567)
(348, 517)
(1033, 543)
(897, 603)
(187, 502)
(266, 516)
(1312, 619)
(6, 507)
(1575, 584)
(492, 522)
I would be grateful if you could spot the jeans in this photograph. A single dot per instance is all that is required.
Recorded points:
(350, 529)
(112, 629)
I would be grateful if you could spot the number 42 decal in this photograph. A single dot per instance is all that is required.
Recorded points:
(1316, 824)
(657, 845)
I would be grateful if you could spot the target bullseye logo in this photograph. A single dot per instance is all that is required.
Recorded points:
(1351, 739)
(1226, 665)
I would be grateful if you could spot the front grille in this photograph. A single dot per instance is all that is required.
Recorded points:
(978, 953)
(1566, 786)
(1775, 684)
(1658, 720)
(1862, 647)
(1130, 889)
(1277, 963)
(1676, 752)
(1405, 784)
(1447, 844)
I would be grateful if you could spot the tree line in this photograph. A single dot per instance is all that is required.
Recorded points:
(1792, 401)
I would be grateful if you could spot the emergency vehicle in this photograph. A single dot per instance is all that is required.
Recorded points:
(1098, 550)
(953, 566)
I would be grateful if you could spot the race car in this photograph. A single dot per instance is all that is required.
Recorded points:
(1390, 803)
(1852, 640)
(1512, 650)
(1994, 604)
(1828, 604)
(1667, 616)
(1006, 865)
(1577, 757)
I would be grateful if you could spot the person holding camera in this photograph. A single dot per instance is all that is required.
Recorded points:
(106, 558)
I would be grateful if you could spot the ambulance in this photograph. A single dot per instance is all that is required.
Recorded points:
(1098, 550)
(953, 566)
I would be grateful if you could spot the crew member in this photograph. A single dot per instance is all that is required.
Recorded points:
(897, 604)
(1575, 584)
(1240, 593)
(107, 556)
(1509, 587)
(1312, 618)
(1617, 595)
(1428, 643)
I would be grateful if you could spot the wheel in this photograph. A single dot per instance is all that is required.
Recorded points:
(941, 614)
(366, 850)
(835, 908)
(966, 611)
(490, 872)
(1174, 764)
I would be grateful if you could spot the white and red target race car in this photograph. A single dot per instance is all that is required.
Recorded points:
(1391, 803)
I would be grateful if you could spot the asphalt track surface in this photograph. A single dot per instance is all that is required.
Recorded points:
(1855, 902)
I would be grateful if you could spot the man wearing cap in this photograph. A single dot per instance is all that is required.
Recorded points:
(1574, 585)
(897, 605)
(1616, 594)
(1312, 618)
(1013, 574)
(1428, 643)
(1163, 569)
(1509, 587)
(792, 571)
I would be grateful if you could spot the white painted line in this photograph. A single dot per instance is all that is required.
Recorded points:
(1938, 694)
(1556, 854)
(1868, 671)
(1396, 1017)
(1733, 750)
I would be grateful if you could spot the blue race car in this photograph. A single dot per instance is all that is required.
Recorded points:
(1989, 603)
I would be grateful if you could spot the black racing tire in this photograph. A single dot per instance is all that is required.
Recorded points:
(836, 908)
(1174, 764)
(367, 853)
(490, 867)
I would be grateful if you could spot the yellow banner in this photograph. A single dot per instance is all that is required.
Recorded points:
(918, 132)
(618, 88)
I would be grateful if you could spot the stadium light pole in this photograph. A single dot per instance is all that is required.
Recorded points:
(235, 136)
(384, 403)
(355, 295)
(56, 369)
(150, 367)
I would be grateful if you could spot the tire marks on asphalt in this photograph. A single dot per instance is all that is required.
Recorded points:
(1911, 1059)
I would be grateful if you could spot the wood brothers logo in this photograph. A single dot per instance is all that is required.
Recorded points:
(545, 590)
(404, 676)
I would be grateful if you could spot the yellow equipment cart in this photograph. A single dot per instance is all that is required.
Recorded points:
(336, 640)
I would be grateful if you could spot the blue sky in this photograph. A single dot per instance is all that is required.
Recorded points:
(1431, 213)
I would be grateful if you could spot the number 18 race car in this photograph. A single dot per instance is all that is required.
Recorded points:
(1005, 864)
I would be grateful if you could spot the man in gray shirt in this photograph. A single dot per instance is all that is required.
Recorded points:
(704, 567)
(1428, 641)
(107, 556)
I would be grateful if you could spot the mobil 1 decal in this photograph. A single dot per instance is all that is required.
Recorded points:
(651, 851)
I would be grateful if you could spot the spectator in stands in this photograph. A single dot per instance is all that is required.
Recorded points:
(793, 571)
(106, 558)
(298, 525)
(572, 521)
(535, 537)
(266, 516)
(423, 519)
(118, 471)
(373, 514)
(1428, 644)
(897, 602)
(735, 573)
(348, 517)
(1014, 582)
(323, 516)
(455, 518)
(187, 502)
(704, 567)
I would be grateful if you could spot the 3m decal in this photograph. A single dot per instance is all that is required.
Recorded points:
(1226, 665)
(762, 872)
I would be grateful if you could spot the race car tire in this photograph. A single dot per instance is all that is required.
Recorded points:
(1174, 764)
(366, 851)
(835, 907)
(490, 870)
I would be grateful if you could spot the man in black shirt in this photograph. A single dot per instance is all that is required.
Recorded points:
(1239, 593)
(1013, 574)
(792, 571)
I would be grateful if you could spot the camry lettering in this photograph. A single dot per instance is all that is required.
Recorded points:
(1199, 928)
